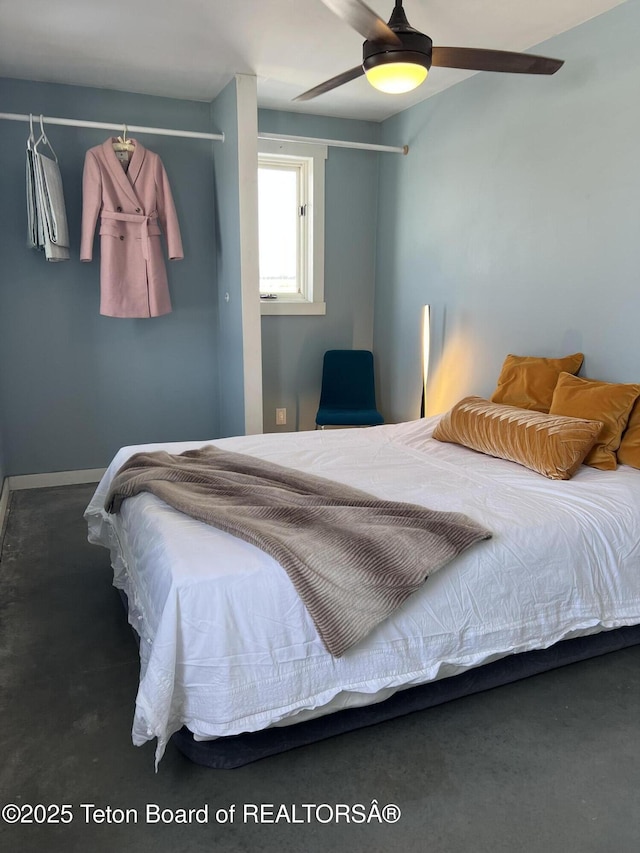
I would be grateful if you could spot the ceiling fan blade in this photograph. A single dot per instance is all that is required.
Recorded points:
(477, 59)
(363, 19)
(328, 85)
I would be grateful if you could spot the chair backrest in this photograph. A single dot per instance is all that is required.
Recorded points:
(348, 380)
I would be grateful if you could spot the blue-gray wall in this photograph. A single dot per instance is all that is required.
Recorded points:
(293, 346)
(224, 114)
(75, 386)
(2, 462)
(516, 216)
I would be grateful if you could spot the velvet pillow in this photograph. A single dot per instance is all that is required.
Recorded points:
(629, 452)
(551, 445)
(608, 402)
(528, 382)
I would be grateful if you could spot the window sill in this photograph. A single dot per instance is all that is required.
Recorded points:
(289, 306)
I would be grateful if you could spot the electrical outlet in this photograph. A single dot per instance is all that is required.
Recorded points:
(281, 417)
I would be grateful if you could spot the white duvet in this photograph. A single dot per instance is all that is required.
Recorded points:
(228, 647)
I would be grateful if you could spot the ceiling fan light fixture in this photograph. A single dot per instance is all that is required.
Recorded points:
(394, 70)
(394, 78)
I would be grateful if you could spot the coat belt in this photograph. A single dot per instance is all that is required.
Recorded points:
(142, 218)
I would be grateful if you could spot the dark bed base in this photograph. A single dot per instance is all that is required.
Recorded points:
(229, 752)
(236, 751)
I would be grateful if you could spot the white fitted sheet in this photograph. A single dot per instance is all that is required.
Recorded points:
(227, 646)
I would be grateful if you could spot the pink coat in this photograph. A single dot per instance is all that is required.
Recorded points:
(131, 205)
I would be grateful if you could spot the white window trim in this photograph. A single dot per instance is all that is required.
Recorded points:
(297, 305)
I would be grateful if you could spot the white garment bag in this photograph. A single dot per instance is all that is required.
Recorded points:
(46, 214)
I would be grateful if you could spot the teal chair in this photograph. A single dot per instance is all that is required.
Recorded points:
(348, 395)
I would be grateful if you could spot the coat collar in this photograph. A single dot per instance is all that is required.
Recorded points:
(126, 180)
(135, 164)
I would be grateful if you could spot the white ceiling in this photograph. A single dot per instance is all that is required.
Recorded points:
(192, 48)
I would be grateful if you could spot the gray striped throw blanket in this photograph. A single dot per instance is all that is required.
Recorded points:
(353, 559)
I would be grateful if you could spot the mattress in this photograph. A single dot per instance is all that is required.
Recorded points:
(227, 646)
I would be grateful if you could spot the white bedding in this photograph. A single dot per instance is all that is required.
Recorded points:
(227, 646)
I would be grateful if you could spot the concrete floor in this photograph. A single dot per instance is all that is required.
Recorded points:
(549, 764)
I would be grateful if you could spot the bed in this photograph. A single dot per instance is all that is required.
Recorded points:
(228, 650)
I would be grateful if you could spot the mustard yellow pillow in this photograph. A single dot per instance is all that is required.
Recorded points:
(629, 452)
(551, 445)
(608, 402)
(528, 382)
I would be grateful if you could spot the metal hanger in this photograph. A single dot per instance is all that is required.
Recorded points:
(43, 139)
(31, 138)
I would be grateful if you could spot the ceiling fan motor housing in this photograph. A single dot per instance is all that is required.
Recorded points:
(415, 46)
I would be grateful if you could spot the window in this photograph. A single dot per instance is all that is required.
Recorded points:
(291, 227)
(282, 206)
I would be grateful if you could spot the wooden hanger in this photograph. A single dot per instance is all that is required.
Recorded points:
(122, 143)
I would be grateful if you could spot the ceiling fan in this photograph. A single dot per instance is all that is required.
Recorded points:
(396, 58)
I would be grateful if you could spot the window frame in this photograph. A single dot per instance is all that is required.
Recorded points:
(312, 243)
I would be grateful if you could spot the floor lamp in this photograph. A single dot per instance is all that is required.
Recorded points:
(426, 345)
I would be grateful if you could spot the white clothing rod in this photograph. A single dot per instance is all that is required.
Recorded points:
(336, 143)
(194, 134)
(159, 131)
